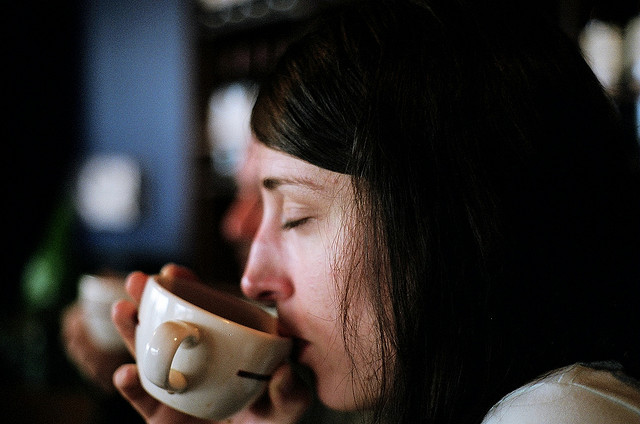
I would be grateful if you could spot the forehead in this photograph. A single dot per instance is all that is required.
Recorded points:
(277, 169)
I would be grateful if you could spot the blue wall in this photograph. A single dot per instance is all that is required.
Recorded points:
(136, 99)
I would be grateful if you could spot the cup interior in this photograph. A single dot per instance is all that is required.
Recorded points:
(222, 304)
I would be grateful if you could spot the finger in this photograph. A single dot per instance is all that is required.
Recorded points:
(128, 384)
(289, 396)
(74, 336)
(173, 271)
(71, 323)
(127, 381)
(135, 283)
(124, 315)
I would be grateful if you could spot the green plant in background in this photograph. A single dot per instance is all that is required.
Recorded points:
(45, 278)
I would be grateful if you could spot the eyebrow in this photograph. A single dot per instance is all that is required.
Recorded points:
(272, 183)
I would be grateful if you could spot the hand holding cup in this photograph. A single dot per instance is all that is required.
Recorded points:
(216, 367)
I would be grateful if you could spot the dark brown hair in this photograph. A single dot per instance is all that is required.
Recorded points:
(491, 168)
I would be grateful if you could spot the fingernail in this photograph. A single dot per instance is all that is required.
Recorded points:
(167, 269)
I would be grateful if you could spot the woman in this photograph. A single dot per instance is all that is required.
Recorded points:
(449, 211)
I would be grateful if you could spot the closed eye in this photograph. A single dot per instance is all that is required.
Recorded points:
(295, 223)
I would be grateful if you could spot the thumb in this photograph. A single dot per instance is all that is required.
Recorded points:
(289, 396)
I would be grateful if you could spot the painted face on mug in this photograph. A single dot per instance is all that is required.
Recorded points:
(296, 262)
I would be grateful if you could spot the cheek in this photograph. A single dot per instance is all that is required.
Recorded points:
(313, 261)
(308, 262)
(362, 354)
(323, 274)
(317, 292)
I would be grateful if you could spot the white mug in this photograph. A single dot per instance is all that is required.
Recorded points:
(204, 352)
(97, 293)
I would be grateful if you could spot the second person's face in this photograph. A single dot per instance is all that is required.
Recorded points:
(297, 262)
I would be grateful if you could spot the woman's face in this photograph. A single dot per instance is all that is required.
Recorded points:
(295, 263)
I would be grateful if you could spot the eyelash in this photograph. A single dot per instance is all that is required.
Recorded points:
(295, 223)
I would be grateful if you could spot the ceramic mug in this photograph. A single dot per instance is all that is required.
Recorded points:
(204, 352)
(97, 293)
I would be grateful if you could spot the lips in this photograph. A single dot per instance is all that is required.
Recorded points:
(299, 344)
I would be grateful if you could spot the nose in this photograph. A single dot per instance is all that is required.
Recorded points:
(265, 278)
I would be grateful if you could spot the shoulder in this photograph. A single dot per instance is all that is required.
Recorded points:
(571, 395)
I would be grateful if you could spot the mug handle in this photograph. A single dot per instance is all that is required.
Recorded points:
(161, 349)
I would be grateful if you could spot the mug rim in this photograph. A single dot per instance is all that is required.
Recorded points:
(256, 309)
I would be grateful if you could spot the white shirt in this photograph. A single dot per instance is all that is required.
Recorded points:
(573, 395)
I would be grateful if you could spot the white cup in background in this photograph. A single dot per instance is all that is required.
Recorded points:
(97, 294)
(204, 352)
